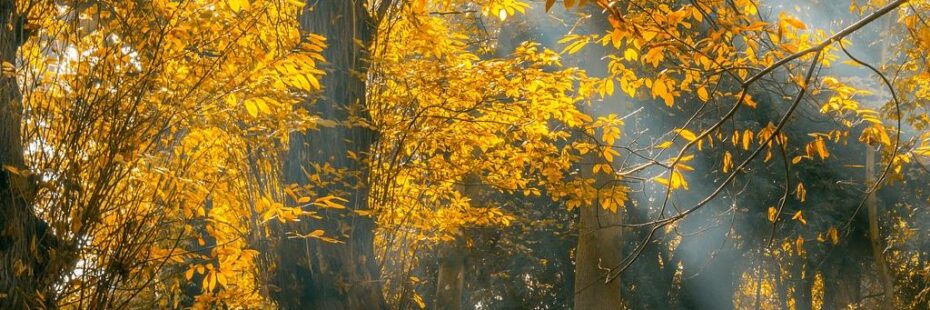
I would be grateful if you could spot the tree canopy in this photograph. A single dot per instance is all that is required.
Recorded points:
(453, 154)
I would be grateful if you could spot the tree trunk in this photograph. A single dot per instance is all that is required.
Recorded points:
(312, 274)
(803, 295)
(450, 282)
(24, 243)
(599, 249)
(451, 279)
(841, 282)
(875, 235)
(875, 241)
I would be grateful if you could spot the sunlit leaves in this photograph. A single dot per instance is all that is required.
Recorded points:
(801, 192)
(687, 135)
(818, 147)
(702, 94)
(727, 162)
(661, 88)
(875, 135)
(676, 181)
(799, 216)
(785, 19)
(189, 91)
(574, 43)
(504, 8)
(318, 234)
(459, 126)
(238, 5)
(834, 235)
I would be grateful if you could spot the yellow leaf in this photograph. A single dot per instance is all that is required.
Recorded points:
(678, 180)
(616, 38)
(687, 134)
(238, 5)
(801, 193)
(630, 54)
(251, 108)
(327, 202)
(799, 217)
(675, 182)
(262, 106)
(790, 20)
(834, 235)
(747, 139)
(702, 94)
(231, 100)
(749, 102)
(648, 35)
(212, 278)
(419, 301)
(727, 161)
(820, 147)
(773, 212)
(609, 154)
(660, 89)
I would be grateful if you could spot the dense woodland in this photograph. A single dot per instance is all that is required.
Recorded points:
(464, 154)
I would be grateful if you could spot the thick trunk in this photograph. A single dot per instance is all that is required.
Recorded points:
(450, 282)
(842, 280)
(599, 249)
(451, 279)
(24, 244)
(312, 274)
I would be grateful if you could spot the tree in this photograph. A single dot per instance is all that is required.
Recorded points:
(319, 274)
(111, 167)
(456, 154)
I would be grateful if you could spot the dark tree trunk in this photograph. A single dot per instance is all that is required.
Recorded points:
(842, 279)
(312, 274)
(24, 282)
(803, 296)
(451, 279)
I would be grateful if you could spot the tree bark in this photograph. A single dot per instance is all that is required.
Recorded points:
(803, 295)
(451, 280)
(312, 274)
(450, 283)
(24, 238)
(842, 279)
(599, 249)
(875, 241)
